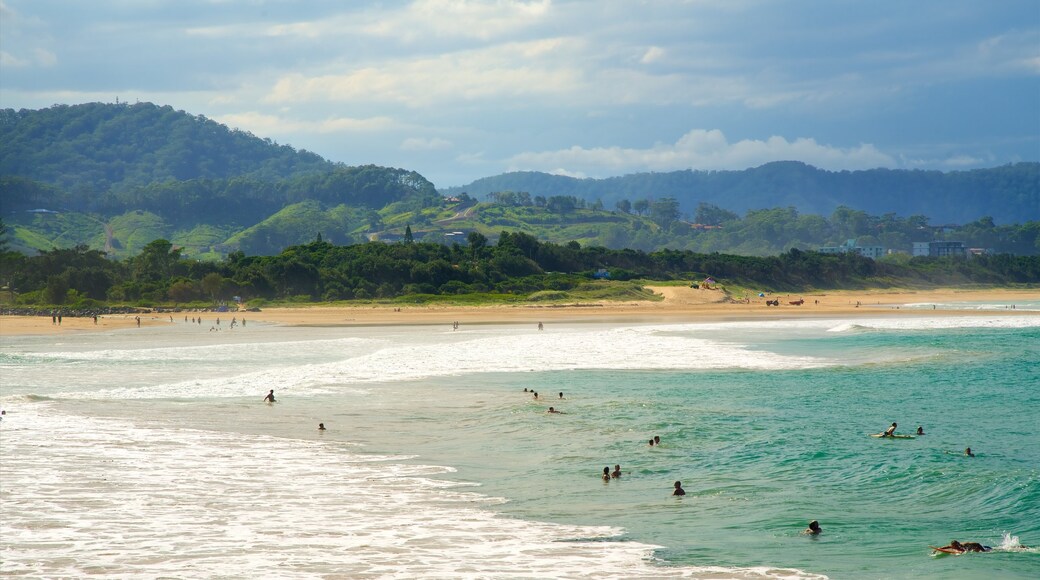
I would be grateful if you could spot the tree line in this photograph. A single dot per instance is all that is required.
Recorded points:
(516, 264)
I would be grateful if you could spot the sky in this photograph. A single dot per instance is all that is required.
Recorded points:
(463, 89)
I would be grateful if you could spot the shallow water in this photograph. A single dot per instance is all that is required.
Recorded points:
(149, 452)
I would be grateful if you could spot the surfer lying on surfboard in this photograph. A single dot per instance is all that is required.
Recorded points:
(956, 547)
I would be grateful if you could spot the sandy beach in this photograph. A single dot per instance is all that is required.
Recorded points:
(679, 303)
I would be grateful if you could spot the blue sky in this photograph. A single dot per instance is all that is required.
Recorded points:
(462, 89)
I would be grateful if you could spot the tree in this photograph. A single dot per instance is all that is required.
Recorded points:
(211, 284)
(665, 211)
(182, 291)
(713, 215)
(477, 243)
(624, 206)
(640, 206)
(156, 261)
(408, 239)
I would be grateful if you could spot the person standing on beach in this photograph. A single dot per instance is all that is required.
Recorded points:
(270, 396)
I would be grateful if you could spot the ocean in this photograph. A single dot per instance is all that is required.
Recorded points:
(149, 453)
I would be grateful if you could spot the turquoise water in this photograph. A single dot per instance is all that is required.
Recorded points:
(760, 453)
(766, 424)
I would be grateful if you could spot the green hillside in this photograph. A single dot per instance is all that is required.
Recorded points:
(115, 177)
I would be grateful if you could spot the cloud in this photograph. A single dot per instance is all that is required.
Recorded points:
(699, 149)
(510, 71)
(653, 54)
(483, 20)
(38, 58)
(265, 124)
(423, 144)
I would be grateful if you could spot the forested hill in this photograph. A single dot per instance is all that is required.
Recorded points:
(1009, 193)
(98, 146)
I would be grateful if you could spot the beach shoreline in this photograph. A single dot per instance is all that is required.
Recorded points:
(678, 304)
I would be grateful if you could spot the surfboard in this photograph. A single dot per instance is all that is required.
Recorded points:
(882, 436)
(942, 551)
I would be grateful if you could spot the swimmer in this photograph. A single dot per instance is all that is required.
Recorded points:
(920, 430)
(606, 474)
(617, 472)
(270, 396)
(890, 431)
(321, 426)
(955, 547)
(561, 394)
(657, 440)
(651, 443)
(813, 529)
(678, 489)
(967, 452)
(553, 410)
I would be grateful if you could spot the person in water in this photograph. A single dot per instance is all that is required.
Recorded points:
(321, 426)
(651, 443)
(553, 410)
(270, 396)
(813, 529)
(617, 472)
(678, 489)
(967, 451)
(606, 474)
(958, 547)
(890, 431)
(657, 440)
(920, 430)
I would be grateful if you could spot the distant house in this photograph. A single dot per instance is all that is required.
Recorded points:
(851, 247)
(601, 274)
(939, 249)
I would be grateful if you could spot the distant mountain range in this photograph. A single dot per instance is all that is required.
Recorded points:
(1008, 194)
(117, 176)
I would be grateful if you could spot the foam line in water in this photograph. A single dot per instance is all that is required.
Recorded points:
(102, 496)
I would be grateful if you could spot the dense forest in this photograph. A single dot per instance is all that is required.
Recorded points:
(115, 177)
(1009, 194)
(517, 265)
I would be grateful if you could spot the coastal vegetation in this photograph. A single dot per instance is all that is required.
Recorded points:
(516, 268)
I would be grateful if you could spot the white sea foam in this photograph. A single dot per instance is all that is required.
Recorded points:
(416, 356)
(937, 323)
(87, 496)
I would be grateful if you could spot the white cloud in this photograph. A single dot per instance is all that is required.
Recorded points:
(510, 71)
(652, 54)
(484, 20)
(264, 124)
(8, 59)
(699, 149)
(423, 144)
(39, 58)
